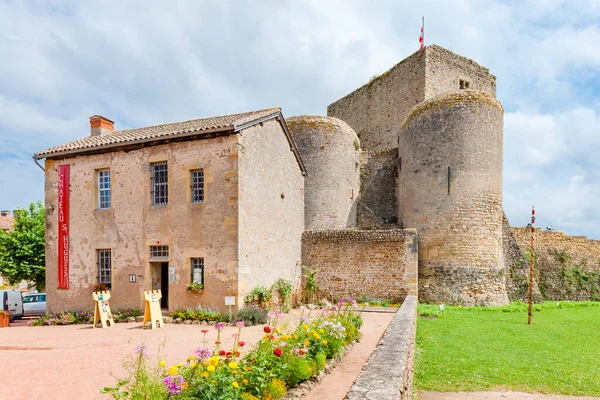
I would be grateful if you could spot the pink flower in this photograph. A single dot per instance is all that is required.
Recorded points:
(242, 344)
(240, 324)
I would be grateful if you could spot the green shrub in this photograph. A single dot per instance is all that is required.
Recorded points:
(320, 360)
(252, 316)
(298, 370)
(260, 295)
(122, 314)
(363, 298)
(199, 314)
(285, 288)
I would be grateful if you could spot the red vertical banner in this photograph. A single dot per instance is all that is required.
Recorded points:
(63, 227)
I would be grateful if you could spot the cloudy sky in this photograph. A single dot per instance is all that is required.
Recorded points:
(148, 62)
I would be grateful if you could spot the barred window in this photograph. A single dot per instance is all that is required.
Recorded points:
(198, 270)
(159, 251)
(197, 185)
(159, 183)
(103, 188)
(104, 266)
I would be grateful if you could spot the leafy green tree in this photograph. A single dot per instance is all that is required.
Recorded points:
(22, 249)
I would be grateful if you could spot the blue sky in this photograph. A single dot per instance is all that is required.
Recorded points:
(143, 63)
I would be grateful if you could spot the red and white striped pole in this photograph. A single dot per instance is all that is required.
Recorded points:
(531, 267)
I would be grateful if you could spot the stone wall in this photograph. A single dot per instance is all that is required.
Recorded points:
(377, 204)
(330, 150)
(567, 267)
(389, 372)
(271, 208)
(381, 264)
(450, 191)
(132, 225)
(445, 70)
(375, 110)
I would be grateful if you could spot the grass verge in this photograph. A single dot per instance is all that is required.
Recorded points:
(493, 348)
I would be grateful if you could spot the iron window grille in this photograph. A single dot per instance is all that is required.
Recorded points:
(104, 266)
(159, 251)
(198, 270)
(160, 184)
(104, 188)
(197, 185)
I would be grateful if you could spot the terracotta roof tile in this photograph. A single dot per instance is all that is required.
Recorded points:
(130, 136)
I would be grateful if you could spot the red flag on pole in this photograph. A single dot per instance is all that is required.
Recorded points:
(422, 37)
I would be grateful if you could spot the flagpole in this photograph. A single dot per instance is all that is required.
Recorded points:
(423, 27)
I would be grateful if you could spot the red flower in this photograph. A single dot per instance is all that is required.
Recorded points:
(302, 351)
(218, 342)
(267, 329)
(277, 352)
(272, 337)
(237, 353)
(228, 353)
(242, 344)
(222, 352)
(204, 330)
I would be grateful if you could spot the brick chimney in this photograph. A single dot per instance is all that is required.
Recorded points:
(5, 213)
(101, 126)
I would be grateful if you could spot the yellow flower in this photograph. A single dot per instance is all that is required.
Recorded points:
(205, 374)
(193, 356)
(265, 336)
(305, 327)
(172, 370)
(206, 362)
(306, 342)
(324, 342)
(232, 365)
(210, 368)
(214, 360)
(245, 381)
(162, 363)
(235, 384)
(321, 331)
(179, 365)
(317, 336)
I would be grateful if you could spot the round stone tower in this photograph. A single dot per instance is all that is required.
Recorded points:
(330, 150)
(450, 190)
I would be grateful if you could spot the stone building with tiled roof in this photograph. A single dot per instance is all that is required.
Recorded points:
(215, 201)
(6, 221)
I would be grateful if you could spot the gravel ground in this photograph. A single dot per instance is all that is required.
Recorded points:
(75, 361)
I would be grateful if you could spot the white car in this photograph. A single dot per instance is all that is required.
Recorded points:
(34, 304)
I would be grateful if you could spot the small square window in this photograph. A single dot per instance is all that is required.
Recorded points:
(159, 251)
(198, 270)
(463, 84)
(197, 176)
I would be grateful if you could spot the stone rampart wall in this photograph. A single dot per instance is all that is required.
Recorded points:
(381, 264)
(389, 372)
(566, 267)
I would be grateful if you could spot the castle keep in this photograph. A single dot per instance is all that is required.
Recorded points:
(398, 191)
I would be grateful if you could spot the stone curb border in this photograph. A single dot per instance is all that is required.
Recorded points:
(389, 372)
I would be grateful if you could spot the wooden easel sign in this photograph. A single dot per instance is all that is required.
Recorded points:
(102, 312)
(152, 312)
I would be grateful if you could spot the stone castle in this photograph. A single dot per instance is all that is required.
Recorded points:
(398, 191)
(430, 130)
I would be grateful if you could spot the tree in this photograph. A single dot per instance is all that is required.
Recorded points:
(22, 249)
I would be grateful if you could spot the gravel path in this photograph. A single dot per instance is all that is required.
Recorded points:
(496, 396)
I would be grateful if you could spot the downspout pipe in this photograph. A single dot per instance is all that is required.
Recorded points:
(38, 164)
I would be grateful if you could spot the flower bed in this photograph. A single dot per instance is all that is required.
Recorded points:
(283, 359)
(199, 314)
(81, 317)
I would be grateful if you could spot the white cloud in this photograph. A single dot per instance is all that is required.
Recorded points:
(141, 63)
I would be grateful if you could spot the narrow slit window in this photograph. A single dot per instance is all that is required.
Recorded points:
(103, 188)
(104, 266)
(197, 185)
(159, 183)
(198, 270)
(449, 180)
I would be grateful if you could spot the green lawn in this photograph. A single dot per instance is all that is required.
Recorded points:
(493, 348)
